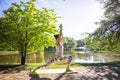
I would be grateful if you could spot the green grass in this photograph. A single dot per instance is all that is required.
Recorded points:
(97, 64)
(56, 65)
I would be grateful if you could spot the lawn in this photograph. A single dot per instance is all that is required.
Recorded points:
(55, 65)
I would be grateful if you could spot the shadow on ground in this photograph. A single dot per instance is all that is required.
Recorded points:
(37, 77)
(101, 73)
(59, 77)
(110, 72)
(11, 68)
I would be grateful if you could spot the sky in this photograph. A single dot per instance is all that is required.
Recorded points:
(77, 16)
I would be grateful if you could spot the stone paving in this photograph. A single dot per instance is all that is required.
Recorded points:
(84, 73)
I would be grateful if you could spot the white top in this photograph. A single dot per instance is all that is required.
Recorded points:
(59, 50)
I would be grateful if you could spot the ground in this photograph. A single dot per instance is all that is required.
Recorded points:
(84, 73)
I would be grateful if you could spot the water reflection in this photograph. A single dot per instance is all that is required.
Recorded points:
(88, 57)
(79, 57)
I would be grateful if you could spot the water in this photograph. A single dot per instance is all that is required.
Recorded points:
(85, 57)
(77, 57)
(89, 57)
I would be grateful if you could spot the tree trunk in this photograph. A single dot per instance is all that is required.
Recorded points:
(23, 54)
(23, 59)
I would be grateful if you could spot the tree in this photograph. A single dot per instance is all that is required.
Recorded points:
(109, 30)
(87, 40)
(69, 43)
(80, 43)
(26, 28)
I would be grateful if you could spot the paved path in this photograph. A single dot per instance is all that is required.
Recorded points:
(84, 73)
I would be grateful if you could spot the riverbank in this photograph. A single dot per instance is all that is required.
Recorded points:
(58, 64)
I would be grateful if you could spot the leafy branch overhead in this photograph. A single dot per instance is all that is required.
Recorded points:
(26, 28)
(107, 36)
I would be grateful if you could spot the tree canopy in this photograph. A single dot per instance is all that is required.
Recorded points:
(24, 27)
(69, 43)
(107, 35)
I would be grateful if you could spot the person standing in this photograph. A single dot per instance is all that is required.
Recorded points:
(59, 52)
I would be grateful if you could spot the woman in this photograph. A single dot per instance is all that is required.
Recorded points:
(59, 52)
(59, 48)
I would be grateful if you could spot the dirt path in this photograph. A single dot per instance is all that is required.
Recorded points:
(84, 73)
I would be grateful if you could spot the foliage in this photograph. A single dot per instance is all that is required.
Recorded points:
(107, 35)
(94, 42)
(87, 41)
(69, 43)
(80, 43)
(25, 28)
(50, 48)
